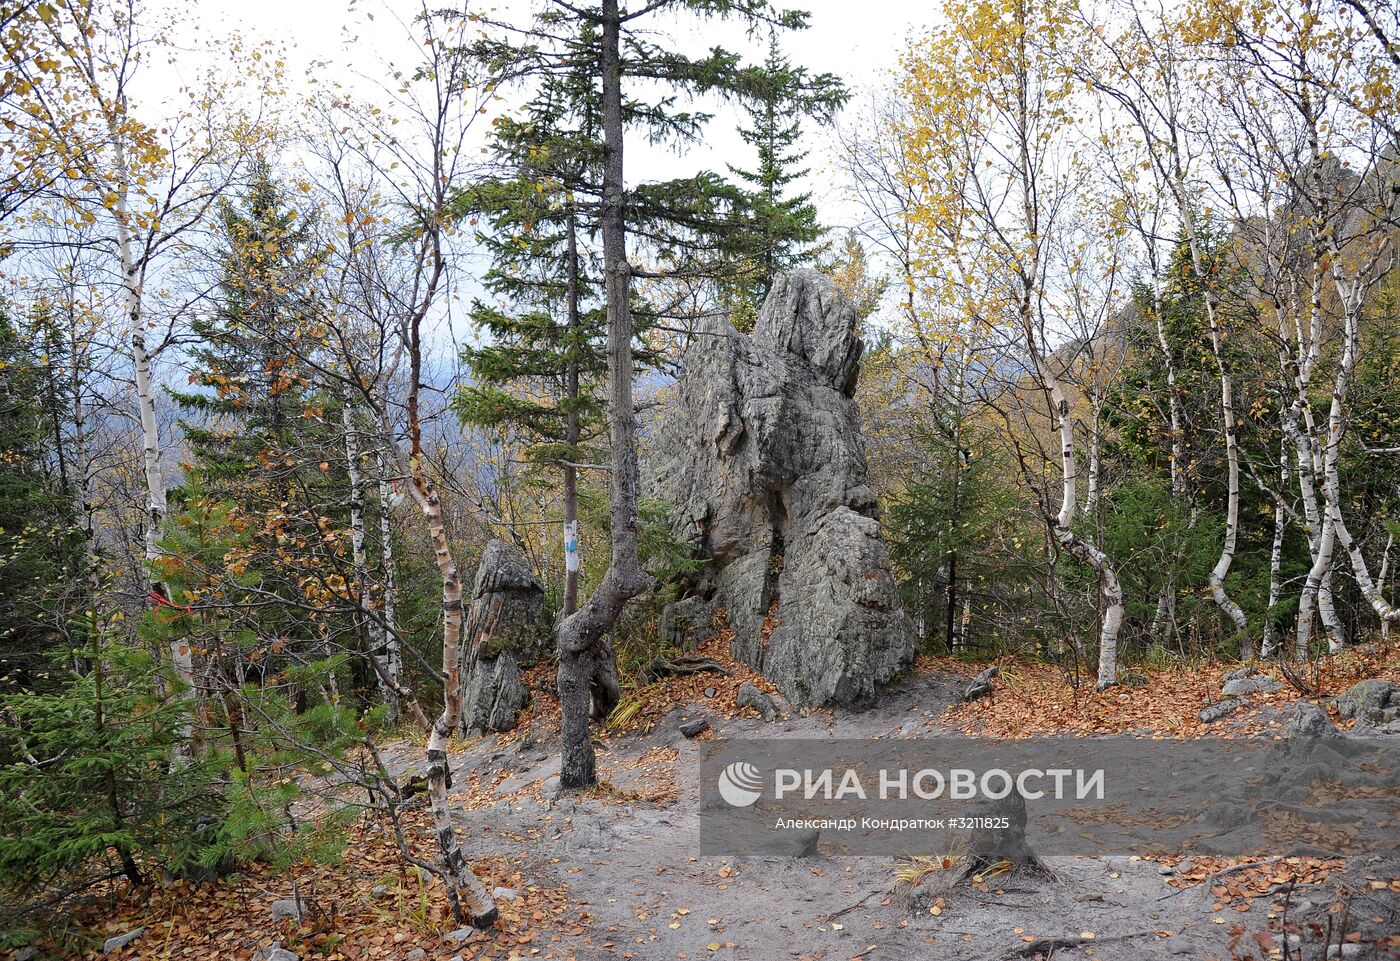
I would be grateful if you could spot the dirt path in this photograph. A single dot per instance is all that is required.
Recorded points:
(632, 868)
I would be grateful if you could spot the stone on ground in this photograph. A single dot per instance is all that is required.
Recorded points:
(751, 696)
(1310, 720)
(1253, 684)
(505, 631)
(694, 727)
(285, 908)
(1371, 702)
(1214, 712)
(121, 940)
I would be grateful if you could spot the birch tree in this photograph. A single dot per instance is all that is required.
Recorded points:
(1142, 73)
(139, 185)
(1333, 160)
(990, 155)
(394, 172)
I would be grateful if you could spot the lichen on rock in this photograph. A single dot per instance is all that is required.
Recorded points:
(762, 463)
(505, 631)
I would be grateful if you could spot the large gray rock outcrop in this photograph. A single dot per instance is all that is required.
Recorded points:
(761, 463)
(505, 631)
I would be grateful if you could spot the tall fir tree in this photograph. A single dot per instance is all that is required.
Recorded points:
(40, 543)
(677, 225)
(540, 365)
(777, 230)
(264, 449)
(253, 389)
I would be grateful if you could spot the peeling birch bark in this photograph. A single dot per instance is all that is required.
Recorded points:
(393, 657)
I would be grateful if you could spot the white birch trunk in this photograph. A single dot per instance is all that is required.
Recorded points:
(1269, 644)
(1221, 570)
(181, 655)
(1164, 617)
(1351, 306)
(366, 622)
(1319, 541)
(1091, 487)
(1173, 401)
(468, 886)
(1159, 614)
(1081, 549)
(1381, 579)
(393, 657)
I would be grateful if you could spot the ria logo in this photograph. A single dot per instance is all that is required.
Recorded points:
(740, 784)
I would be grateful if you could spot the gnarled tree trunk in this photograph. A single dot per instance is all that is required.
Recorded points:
(586, 662)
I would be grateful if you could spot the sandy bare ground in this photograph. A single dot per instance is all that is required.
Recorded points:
(632, 866)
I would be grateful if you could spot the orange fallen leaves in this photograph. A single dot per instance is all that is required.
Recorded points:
(1037, 698)
(346, 919)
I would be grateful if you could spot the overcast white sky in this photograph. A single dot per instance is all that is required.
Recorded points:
(859, 40)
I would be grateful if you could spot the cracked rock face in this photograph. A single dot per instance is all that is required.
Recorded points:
(506, 630)
(762, 465)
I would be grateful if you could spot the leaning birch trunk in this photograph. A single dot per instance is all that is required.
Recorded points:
(464, 885)
(1221, 570)
(1085, 552)
(1317, 588)
(1081, 549)
(467, 886)
(1336, 422)
(584, 656)
(181, 655)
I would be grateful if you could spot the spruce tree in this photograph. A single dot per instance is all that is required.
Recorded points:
(640, 83)
(263, 453)
(776, 230)
(540, 364)
(40, 545)
(86, 784)
(252, 386)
